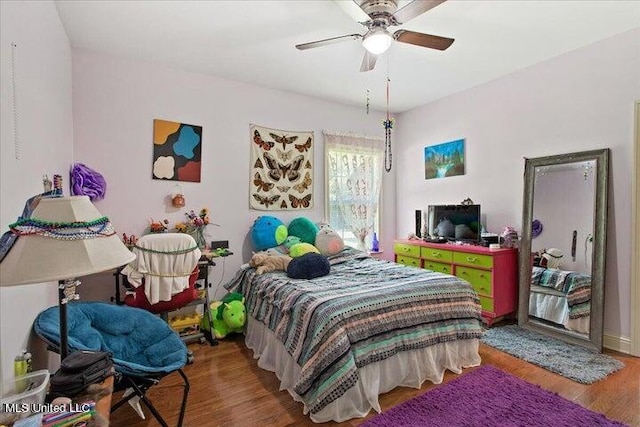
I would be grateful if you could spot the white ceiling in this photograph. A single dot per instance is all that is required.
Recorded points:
(253, 41)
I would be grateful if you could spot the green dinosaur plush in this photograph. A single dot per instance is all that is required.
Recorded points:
(228, 315)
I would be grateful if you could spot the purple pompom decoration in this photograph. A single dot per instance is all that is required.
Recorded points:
(536, 228)
(87, 182)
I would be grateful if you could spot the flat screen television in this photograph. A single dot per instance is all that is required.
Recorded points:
(454, 222)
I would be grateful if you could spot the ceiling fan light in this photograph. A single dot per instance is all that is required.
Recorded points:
(377, 41)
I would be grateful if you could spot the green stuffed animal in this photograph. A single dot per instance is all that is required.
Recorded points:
(228, 315)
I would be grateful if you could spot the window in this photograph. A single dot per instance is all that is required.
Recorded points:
(353, 169)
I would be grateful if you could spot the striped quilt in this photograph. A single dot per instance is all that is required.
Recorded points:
(576, 286)
(364, 311)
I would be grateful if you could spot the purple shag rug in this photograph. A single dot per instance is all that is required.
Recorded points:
(489, 397)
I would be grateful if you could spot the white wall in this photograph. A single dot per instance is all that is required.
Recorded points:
(579, 101)
(115, 102)
(564, 202)
(42, 64)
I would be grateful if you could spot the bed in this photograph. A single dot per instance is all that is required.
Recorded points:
(562, 297)
(338, 341)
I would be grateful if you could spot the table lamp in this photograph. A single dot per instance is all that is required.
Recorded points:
(64, 238)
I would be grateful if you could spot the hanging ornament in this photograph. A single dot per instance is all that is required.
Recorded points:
(388, 125)
(368, 101)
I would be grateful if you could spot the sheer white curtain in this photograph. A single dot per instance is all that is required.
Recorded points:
(353, 168)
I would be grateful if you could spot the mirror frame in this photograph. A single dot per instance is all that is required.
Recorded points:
(594, 339)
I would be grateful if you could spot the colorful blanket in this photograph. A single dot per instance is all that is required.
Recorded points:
(576, 286)
(363, 312)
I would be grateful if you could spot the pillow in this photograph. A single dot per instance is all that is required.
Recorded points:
(267, 232)
(303, 228)
(300, 249)
(328, 241)
(308, 266)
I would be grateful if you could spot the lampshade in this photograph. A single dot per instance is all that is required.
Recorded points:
(59, 255)
(377, 40)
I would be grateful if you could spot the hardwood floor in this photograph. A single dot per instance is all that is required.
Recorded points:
(229, 389)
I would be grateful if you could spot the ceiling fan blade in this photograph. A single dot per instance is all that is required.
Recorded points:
(413, 9)
(368, 62)
(424, 40)
(353, 10)
(326, 42)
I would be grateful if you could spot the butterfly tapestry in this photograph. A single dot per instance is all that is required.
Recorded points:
(281, 169)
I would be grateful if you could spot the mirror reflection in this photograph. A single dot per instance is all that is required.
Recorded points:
(563, 246)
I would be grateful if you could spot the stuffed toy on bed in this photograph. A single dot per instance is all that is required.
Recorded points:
(265, 262)
(303, 228)
(308, 266)
(328, 241)
(228, 315)
(267, 232)
(300, 249)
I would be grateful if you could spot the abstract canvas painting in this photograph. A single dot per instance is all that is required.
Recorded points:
(444, 160)
(281, 169)
(177, 151)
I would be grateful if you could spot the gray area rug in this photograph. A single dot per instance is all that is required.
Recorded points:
(569, 360)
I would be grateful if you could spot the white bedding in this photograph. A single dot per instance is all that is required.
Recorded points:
(408, 369)
(551, 305)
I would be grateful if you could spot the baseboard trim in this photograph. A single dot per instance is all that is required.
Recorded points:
(617, 343)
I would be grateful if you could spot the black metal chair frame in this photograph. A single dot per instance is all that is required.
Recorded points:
(140, 386)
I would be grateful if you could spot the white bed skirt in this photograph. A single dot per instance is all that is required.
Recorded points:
(552, 306)
(409, 369)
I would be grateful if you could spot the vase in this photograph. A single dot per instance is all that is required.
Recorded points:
(198, 236)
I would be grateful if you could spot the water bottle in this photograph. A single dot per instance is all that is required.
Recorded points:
(19, 370)
(375, 245)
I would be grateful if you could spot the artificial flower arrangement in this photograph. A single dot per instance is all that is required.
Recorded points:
(158, 226)
(193, 221)
(195, 225)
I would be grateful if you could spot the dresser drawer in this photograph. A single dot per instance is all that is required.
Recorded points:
(477, 260)
(479, 279)
(442, 255)
(486, 304)
(437, 266)
(406, 250)
(407, 260)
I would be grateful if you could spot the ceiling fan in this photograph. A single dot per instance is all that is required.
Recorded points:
(378, 16)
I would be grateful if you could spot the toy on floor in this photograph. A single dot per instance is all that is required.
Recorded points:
(228, 315)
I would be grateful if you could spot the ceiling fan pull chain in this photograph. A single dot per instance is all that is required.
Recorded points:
(368, 101)
(388, 125)
(387, 150)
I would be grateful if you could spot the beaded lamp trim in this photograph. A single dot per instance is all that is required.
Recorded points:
(77, 230)
(176, 252)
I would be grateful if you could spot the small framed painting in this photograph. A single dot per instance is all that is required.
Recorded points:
(177, 151)
(443, 160)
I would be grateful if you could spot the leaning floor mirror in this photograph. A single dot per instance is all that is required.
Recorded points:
(562, 253)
